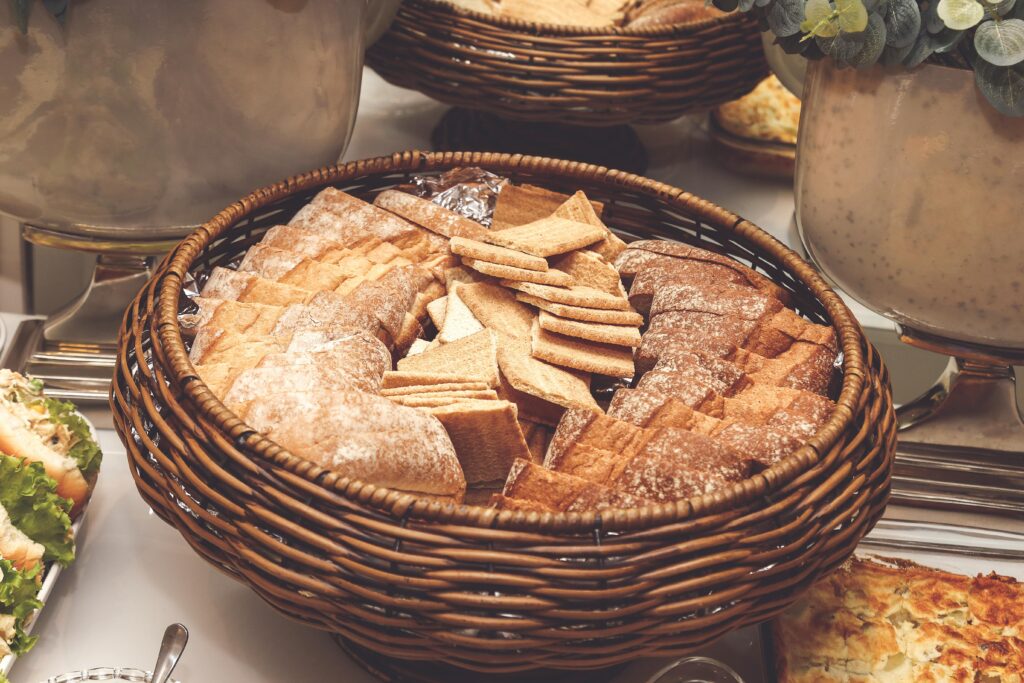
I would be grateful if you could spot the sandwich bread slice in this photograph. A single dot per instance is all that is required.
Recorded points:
(38, 429)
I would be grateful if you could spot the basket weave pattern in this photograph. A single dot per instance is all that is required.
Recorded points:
(583, 76)
(474, 587)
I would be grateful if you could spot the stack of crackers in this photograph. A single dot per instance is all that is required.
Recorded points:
(560, 266)
(405, 345)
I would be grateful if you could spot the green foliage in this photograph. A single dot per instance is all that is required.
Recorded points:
(18, 591)
(860, 33)
(1000, 41)
(84, 449)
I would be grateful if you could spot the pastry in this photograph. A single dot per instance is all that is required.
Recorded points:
(893, 620)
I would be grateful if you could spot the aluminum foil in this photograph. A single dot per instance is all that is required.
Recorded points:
(471, 192)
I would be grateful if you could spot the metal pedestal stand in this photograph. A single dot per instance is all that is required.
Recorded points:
(961, 444)
(73, 350)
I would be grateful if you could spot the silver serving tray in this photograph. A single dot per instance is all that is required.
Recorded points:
(51, 573)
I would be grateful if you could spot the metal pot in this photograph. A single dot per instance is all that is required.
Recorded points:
(148, 114)
(908, 198)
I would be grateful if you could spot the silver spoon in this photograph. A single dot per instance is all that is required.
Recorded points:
(173, 644)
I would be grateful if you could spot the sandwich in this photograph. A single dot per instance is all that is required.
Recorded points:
(34, 528)
(18, 591)
(35, 524)
(38, 429)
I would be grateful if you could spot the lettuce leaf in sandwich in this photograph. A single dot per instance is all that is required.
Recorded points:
(29, 496)
(18, 591)
(85, 451)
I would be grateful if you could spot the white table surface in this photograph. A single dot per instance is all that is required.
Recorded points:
(134, 574)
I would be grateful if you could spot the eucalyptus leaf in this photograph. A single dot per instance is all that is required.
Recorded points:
(932, 21)
(921, 50)
(794, 44)
(762, 3)
(875, 6)
(58, 8)
(1003, 86)
(902, 22)
(874, 43)
(745, 5)
(841, 47)
(21, 8)
(960, 15)
(893, 56)
(853, 15)
(784, 17)
(820, 19)
(947, 40)
(1001, 8)
(1000, 41)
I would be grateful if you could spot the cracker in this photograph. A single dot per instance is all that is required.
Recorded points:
(530, 407)
(577, 295)
(418, 346)
(432, 398)
(521, 204)
(497, 309)
(590, 269)
(563, 13)
(393, 379)
(412, 389)
(474, 356)
(460, 274)
(486, 435)
(436, 310)
(603, 359)
(579, 208)
(592, 315)
(429, 215)
(425, 401)
(553, 277)
(494, 254)
(547, 236)
(459, 321)
(534, 377)
(619, 335)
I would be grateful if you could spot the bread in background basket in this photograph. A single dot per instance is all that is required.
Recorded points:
(666, 61)
(595, 12)
(528, 312)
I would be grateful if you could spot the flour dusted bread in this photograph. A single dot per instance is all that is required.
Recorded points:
(365, 437)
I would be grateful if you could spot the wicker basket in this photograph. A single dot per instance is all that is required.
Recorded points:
(473, 587)
(583, 76)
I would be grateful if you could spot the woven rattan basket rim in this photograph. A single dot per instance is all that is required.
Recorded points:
(174, 268)
(542, 29)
